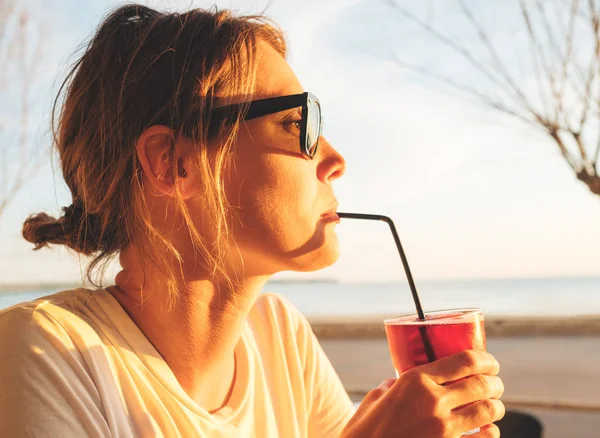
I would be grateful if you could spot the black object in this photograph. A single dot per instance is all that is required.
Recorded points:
(311, 124)
(409, 277)
(413, 289)
(516, 424)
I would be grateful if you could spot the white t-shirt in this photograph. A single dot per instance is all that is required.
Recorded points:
(74, 364)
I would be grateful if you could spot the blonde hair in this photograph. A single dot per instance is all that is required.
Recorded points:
(144, 68)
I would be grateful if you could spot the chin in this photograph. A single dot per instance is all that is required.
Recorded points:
(319, 258)
(319, 251)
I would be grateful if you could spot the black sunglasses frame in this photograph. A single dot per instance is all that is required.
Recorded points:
(272, 105)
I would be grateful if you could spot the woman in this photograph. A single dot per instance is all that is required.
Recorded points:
(192, 151)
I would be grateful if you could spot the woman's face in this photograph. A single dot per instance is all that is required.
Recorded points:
(282, 197)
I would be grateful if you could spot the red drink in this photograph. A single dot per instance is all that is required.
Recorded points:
(446, 331)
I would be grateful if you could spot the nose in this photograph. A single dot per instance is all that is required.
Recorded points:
(332, 164)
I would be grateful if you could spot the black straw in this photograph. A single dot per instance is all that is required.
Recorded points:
(409, 277)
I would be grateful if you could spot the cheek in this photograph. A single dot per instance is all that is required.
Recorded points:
(281, 193)
(276, 200)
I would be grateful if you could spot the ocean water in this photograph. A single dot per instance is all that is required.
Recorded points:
(516, 297)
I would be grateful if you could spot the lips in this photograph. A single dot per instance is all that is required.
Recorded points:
(331, 214)
(332, 211)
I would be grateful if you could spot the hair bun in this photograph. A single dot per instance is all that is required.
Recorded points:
(76, 229)
(73, 213)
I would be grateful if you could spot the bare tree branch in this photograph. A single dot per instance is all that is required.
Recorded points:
(465, 54)
(565, 58)
(494, 54)
(19, 57)
(11, 192)
(569, 37)
(554, 133)
(582, 152)
(567, 84)
(541, 55)
(480, 97)
(568, 34)
(569, 62)
(539, 81)
(549, 29)
(593, 67)
(596, 155)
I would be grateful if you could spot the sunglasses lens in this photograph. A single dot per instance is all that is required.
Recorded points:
(313, 127)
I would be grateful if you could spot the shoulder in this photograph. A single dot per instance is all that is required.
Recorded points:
(273, 302)
(28, 318)
(275, 317)
(276, 308)
(46, 321)
(45, 371)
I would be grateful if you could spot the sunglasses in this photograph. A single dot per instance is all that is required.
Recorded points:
(311, 125)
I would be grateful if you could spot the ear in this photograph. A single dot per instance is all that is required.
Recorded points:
(156, 150)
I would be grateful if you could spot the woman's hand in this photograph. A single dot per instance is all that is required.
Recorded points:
(443, 399)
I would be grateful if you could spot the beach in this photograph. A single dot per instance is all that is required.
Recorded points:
(368, 327)
(553, 375)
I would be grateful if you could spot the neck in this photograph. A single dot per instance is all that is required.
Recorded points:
(196, 336)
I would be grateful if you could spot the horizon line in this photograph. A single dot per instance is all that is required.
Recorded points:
(17, 287)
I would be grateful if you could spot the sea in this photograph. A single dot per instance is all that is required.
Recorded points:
(497, 297)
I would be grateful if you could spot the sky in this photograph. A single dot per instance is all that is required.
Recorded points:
(473, 194)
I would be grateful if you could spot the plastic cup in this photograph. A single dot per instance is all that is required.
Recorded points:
(413, 342)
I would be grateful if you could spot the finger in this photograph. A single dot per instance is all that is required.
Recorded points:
(461, 365)
(474, 388)
(379, 391)
(387, 384)
(479, 413)
(489, 431)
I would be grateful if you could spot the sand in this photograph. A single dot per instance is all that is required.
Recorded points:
(495, 326)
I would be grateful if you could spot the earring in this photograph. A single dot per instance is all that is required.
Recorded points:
(180, 170)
